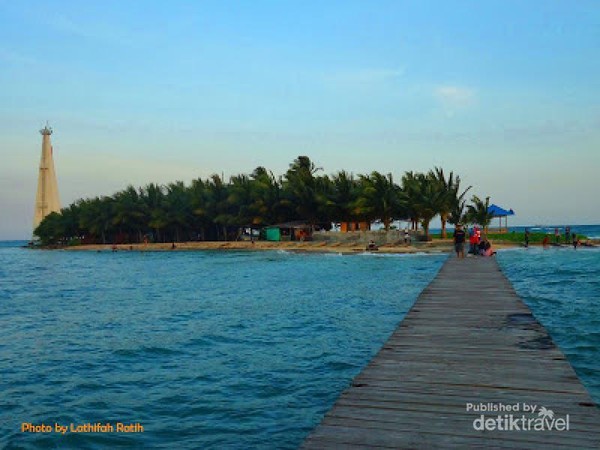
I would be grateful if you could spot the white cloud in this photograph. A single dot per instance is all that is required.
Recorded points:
(454, 96)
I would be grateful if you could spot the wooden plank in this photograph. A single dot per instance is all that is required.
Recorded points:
(468, 339)
(375, 416)
(332, 436)
(421, 436)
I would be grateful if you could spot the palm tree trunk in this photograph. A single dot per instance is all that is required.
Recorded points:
(443, 218)
(426, 230)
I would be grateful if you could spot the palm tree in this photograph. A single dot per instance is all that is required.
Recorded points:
(128, 212)
(412, 184)
(380, 198)
(324, 191)
(216, 206)
(343, 197)
(452, 199)
(478, 212)
(426, 197)
(201, 220)
(178, 211)
(431, 200)
(267, 207)
(300, 189)
(457, 212)
(240, 200)
(70, 222)
(95, 217)
(153, 198)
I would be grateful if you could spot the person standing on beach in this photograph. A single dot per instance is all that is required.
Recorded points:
(526, 237)
(556, 236)
(575, 241)
(459, 241)
(567, 235)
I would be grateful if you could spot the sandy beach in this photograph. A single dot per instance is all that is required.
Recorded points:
(437, 246)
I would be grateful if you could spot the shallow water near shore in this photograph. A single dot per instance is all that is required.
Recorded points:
(203, 349)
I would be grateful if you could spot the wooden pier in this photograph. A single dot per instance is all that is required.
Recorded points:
(469, 339)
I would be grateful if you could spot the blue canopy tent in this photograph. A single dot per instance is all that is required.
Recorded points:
(499, 212)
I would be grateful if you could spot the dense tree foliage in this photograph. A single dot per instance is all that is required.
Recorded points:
(213, 209)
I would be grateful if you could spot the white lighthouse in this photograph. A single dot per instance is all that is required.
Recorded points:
(47, 200)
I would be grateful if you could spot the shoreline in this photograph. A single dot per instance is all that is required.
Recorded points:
(444, 246)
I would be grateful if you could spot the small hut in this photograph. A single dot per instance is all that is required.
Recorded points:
(346, 227)
(289, 231)
(499, 212)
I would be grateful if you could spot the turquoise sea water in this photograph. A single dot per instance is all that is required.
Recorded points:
(230, 350)
(205, 350)
(562, 288)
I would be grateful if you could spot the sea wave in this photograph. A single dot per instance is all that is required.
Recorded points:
(376, 254)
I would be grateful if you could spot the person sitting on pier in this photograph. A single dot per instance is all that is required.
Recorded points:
(485, 248)
(480, 248)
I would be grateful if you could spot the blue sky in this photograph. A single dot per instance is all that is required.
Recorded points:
(505, 93)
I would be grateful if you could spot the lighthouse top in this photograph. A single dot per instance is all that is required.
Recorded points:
(46, 131)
